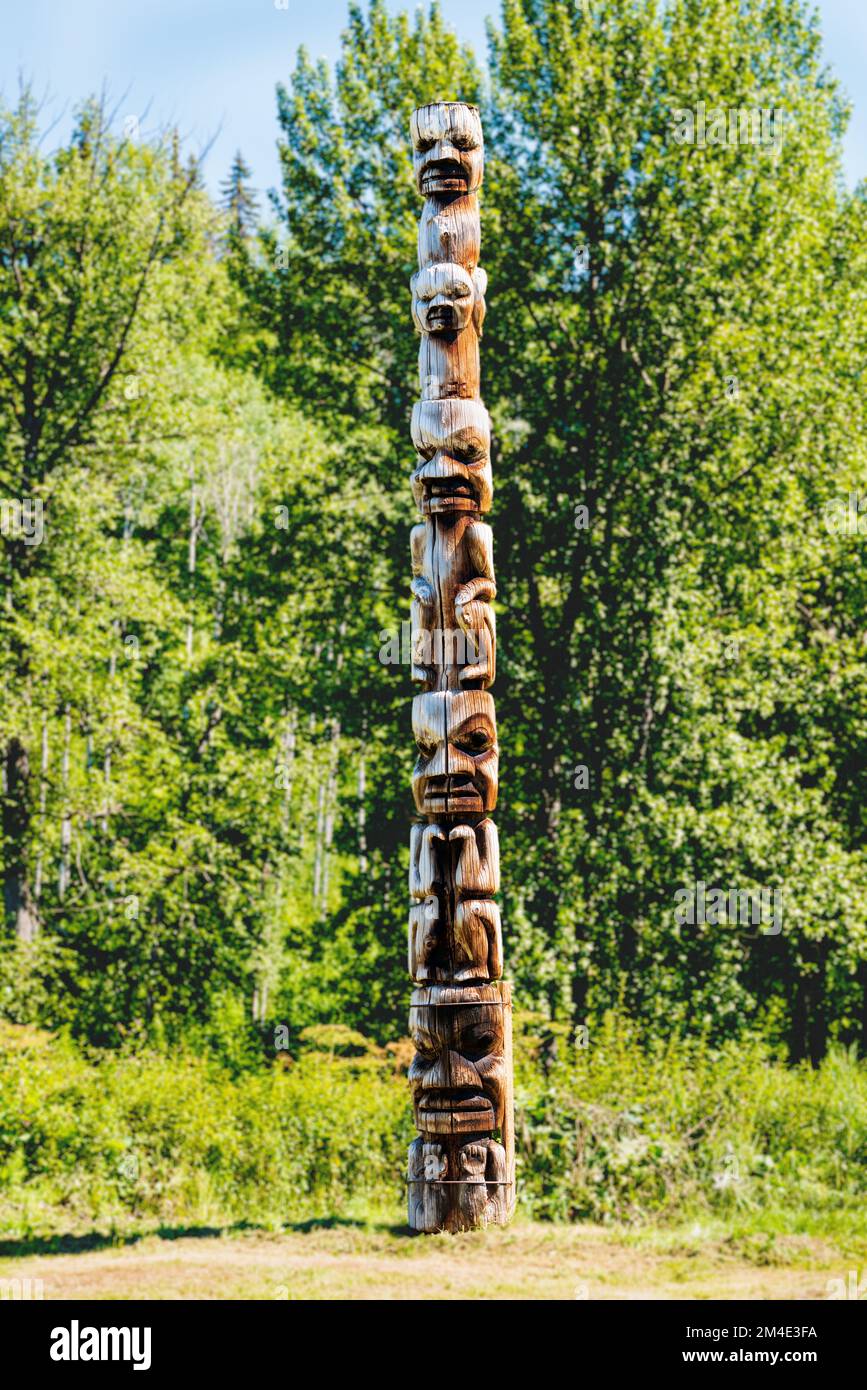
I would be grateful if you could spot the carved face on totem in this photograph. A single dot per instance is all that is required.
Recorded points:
(457, 768)
(453, 439)
(457, 1077)
(445, 297)
(448, 154)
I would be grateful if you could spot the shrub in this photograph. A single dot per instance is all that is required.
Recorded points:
(624, 1130)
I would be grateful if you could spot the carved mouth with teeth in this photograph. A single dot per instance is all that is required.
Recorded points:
(449, 495)
(461, 1110)
(444, 176)
(449, 487)
(452, 796)
(455, 492)
(442, 318)
(453, 440)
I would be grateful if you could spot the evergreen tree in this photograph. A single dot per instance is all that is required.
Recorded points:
(238, 200)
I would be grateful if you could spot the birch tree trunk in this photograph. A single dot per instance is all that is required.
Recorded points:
(318, 847)
(194, 530)
(20, 904)
(287, 751)
(329, 808)
(43, 801)
(66, 820)
(361, 818)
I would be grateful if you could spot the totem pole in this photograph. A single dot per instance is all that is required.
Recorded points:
(462, 1166)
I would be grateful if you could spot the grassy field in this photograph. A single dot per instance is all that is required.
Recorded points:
(659, 1169)
(530, 1260)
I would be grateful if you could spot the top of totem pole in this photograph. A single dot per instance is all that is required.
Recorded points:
(448, 148)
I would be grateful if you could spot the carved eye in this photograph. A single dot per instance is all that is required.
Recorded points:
(422, 146)
(474, 741)
(426, 1046)
(479, 1042)
(426, 747)
(463, 142)
(468, 453)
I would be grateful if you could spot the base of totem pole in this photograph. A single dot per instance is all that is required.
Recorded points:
(464, 1182)
(441, 1201)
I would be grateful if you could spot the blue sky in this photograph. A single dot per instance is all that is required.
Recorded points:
(211, 65)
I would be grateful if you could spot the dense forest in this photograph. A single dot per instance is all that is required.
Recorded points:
(204, 460)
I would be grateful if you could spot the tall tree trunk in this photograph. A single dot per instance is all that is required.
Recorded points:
(66, 820)
(287, 754)
(320, 835)
(43, 798)
(330, 802)
(20, 904)
(106, 762)
(361, 820)
(195, 526)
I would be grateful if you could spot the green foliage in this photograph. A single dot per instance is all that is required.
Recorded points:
(635, 1128)
(625, 1131)
(336, 1040)
(150, 1136)
(675, 342)
(205, 794)
(681, 644)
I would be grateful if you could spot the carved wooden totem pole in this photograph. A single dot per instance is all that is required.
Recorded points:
(462, 1166)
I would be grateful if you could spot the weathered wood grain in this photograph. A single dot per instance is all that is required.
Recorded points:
(453, 440)
(457, 1075)
(449, 230)
(448, 309)
(447, 148)
(457, 770)
(457, 1186)
(454, 925)
(453, 587)
(462, 1166)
